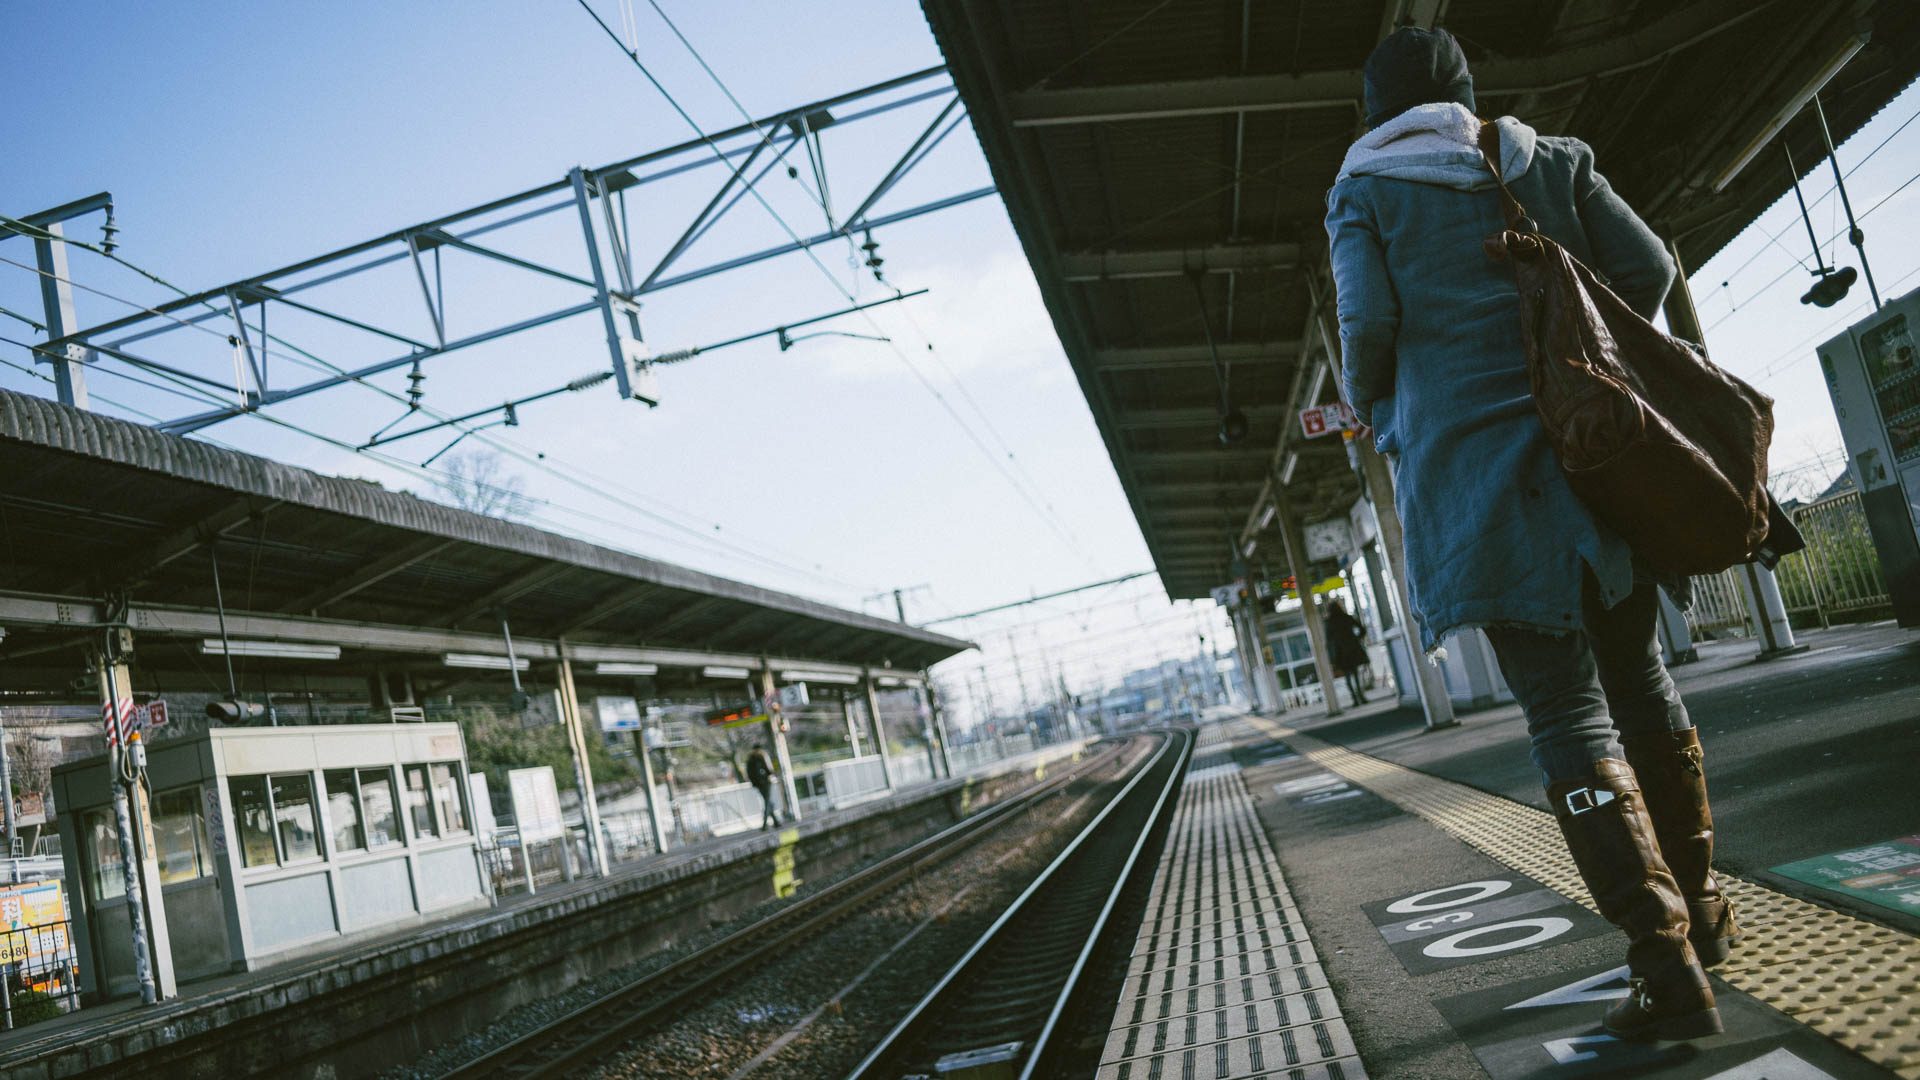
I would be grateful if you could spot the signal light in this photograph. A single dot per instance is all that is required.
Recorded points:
(1831, 287)
(235, 712)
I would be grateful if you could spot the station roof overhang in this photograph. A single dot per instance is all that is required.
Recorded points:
(1165, 166)
(105, 522)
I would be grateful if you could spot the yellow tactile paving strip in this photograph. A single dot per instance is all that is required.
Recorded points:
(1223, 983)
(1854, 981)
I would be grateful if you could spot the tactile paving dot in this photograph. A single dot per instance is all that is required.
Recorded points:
(1854, 981)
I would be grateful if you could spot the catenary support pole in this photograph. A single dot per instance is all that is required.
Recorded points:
(582, 767)
(56, 299)
(879, 728)
(1293, 538)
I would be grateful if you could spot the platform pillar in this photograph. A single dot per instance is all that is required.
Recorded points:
(879, 728)
(939, 723)
(1768, 610)
(133, 818)
(777, 732)
(1676, 637)
(1295, 540)
(582, 767)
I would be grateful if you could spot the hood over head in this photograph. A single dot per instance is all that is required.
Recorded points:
(1435, 144)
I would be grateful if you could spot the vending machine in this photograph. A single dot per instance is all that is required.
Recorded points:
(1873, 374)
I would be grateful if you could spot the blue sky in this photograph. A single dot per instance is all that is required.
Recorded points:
(236, 138)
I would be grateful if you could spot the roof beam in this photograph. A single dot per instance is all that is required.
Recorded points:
(1342, 89)
(1205, 415)
(680, 618)
(369, 575)
(1175, 262)
(612, 605)
(1243, 455)
(518, 585)
(1171, 357)
(190, 537)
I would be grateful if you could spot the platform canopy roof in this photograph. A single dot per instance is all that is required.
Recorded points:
(1165, 163)
(92, 507)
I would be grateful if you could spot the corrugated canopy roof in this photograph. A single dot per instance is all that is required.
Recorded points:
(90, 504)
(1161, 159)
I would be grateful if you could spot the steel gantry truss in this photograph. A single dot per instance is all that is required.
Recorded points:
(234, 315)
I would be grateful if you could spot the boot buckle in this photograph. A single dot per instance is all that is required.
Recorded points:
(1693, 756)
(1581, 800)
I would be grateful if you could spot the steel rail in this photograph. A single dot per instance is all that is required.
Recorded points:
(1001, 991)
(564, 1046)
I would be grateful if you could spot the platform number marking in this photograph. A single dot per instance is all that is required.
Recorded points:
(1474, 920)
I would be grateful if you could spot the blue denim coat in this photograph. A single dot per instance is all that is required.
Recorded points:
(1430, 340)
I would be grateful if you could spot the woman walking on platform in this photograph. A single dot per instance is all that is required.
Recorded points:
(1433, 362)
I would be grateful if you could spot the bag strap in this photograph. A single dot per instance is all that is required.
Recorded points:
(1516, 214)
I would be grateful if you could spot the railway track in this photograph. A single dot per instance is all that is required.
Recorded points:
(1000, 1008)
(576, 1040)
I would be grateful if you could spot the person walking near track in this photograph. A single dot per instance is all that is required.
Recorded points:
(1433, 364)
(760, 775)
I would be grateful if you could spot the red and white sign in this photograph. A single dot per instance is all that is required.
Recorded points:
(1321, 419)
(154, 714)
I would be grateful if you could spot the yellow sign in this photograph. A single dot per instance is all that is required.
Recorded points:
(33, 924)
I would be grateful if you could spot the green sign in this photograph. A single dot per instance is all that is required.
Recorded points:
(1887, 874)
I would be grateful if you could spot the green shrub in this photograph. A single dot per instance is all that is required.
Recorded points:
(33, 1006)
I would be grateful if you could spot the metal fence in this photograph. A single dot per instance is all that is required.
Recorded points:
(1839, 573)
(1837, 576)
(39, 977)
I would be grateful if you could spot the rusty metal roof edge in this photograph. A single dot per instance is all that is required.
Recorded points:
(51, 425)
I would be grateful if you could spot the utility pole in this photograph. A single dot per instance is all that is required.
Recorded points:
(6, 791)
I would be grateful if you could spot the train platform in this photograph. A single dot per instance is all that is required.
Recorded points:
(1360, 897)
(426, 984)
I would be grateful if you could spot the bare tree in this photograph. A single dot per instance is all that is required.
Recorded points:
(479, 481)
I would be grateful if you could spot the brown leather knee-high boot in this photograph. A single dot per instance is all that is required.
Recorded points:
(1674, 784)
(1605, 822)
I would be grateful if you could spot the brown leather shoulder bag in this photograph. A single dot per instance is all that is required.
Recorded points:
(1663, 446)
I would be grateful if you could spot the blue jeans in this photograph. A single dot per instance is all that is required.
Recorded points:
(1583, 691)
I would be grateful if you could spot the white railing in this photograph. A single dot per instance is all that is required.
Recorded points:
(850, 780)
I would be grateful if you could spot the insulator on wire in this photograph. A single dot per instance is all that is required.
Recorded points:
(415, 391)
(108, 231)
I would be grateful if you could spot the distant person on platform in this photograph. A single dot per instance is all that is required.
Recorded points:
(760, 775)
(1433, 361)
(1348, 640)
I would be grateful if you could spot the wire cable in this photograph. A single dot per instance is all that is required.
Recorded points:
(807, 249)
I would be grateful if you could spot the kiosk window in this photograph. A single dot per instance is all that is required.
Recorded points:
(293, 817)
(180, 835)
(446, 797)
(376, 803)
(419, 811)
(253, 820)
(343, 812)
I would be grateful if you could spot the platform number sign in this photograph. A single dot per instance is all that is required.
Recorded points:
(1451, 925)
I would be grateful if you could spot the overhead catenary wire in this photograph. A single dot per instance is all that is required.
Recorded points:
(814, 258)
